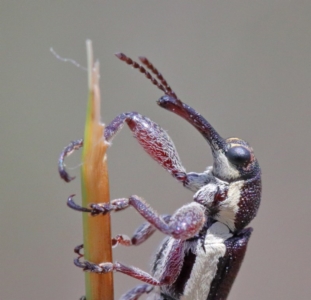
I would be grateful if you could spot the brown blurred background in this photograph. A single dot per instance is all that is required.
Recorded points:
(245, 65)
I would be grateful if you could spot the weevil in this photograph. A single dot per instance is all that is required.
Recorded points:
(206, 239)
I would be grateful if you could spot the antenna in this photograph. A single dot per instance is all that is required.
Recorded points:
(159, 81)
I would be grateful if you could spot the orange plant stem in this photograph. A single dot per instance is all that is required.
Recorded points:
(95, 189)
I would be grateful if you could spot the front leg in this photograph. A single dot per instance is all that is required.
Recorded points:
(195, 181)
(154, 139)
(157, 143)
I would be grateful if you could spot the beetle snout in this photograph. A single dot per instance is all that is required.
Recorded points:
(173, 104)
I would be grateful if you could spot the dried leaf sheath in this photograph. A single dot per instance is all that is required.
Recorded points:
(95, 189)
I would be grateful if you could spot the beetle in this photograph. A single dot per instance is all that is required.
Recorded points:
(206, 239)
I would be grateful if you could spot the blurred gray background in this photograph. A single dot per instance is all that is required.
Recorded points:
(245, 65)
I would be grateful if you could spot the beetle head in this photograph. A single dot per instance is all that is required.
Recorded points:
(233, 158)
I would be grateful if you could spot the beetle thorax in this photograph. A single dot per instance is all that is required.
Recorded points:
(221, 199)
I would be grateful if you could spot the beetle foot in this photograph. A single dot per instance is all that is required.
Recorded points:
(75, 145)
(94, 268)
(78, 249)
(103, 208)
(121, 239)
(99, 208)
(75, 206)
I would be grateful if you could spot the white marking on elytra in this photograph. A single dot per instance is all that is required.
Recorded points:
(205, 266)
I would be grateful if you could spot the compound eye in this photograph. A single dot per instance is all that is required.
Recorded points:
(238, 155)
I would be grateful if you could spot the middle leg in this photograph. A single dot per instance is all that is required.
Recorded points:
(186, 222)
(141, 234)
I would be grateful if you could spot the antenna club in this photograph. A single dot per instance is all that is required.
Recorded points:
(143, 59)
(121, 56)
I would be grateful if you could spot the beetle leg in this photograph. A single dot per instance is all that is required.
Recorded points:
(99, 208)
(137, 291)
(141, 234)
(194, 181)
(183, 224)
(166, 275)
(78, 249)
(145, 230)
(74, 145)
(154, 139)
(119, 239)
(107, 267)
